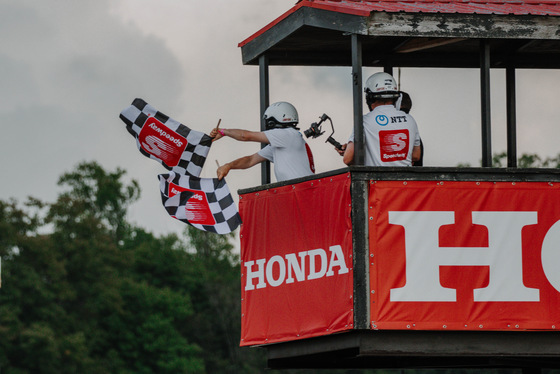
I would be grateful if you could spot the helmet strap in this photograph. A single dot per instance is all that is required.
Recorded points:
(271, 123)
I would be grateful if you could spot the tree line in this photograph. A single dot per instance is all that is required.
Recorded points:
(85, 291)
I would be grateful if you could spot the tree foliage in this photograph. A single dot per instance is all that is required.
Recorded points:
(86, 292)
(526, 160)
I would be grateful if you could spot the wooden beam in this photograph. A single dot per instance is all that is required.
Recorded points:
(421, 44)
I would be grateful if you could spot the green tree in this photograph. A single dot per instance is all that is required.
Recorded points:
(73, 300)
(526, 160)
(97, 193)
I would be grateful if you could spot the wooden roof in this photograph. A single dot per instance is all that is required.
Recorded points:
(420, 33)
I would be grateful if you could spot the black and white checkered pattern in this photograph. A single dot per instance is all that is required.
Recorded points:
(218, 198)
(198, 143)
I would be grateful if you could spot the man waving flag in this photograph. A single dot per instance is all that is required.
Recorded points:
(204, 203)
(165, 140)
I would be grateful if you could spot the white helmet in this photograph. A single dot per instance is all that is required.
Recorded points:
(381, 86)
(280, 114)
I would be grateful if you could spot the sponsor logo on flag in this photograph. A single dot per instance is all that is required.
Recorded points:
(161, 138)
(197, 209)
(204, 203)
(158, 140)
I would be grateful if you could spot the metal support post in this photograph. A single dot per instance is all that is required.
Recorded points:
(485, 103)
(359, 191)
(511, 118)
(360, 245)
(264, 103)
(358, 100)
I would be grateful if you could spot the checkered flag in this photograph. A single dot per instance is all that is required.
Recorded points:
(165, 140)
(204, 203)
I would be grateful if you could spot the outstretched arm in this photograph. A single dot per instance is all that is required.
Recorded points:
(241, 163)
(241, 135)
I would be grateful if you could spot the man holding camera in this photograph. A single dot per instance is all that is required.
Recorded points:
(286, 147)
(391, 135)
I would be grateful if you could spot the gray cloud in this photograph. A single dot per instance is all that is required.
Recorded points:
(68, 68)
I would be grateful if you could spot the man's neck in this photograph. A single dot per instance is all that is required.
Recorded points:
(379, 103)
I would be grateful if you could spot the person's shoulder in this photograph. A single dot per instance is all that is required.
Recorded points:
(279, 130)
(410, 118)
(408, 115)
(285, 131)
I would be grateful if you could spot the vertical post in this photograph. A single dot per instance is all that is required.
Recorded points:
(388, 69)
(264, 103)
(359, 192)
(359, 154)
(485, 103)
(511, 118)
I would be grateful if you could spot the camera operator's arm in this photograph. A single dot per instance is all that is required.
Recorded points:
(416, 153)
(241, 163)
(348, 156)
(341, 149)
(240, 135)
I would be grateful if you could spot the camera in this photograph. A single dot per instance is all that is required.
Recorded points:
(315, 130)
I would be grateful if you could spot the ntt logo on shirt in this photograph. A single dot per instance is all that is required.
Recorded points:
(295, 267)
(382, 120)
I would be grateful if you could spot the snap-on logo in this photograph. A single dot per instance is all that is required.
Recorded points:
(162, 142)
(393, 145)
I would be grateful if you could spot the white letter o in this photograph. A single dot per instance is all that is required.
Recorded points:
(282, 267)
(550, 255)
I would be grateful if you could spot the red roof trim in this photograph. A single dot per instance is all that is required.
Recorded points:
(358, 11)
(271, 25)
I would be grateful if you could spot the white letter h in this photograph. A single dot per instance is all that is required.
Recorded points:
(424, 256)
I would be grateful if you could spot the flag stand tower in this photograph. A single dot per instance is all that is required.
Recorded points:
(418, 267)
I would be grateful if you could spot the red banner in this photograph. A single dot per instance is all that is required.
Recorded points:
(296, 253)
(464, 255)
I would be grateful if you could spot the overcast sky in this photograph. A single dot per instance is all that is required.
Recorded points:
(68, 68)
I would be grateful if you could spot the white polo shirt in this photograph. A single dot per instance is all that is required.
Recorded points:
(390, 136)
(289, 152)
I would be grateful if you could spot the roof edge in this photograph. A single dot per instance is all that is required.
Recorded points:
(337, 8)
(301, 4)
(271, 24)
